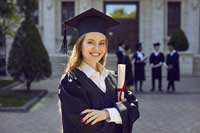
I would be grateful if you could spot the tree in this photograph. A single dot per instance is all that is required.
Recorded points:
(28, 59)
(120, 13)
(27, 7)
(8, 21)
(180, 40)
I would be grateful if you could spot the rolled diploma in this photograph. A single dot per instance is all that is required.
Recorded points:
(121, 80)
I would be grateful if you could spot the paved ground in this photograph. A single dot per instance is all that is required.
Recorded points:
(160, 113)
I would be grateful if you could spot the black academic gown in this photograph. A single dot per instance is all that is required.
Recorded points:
(78, 92)
(129, 74)
(139, 68)
(174, 73)
(120, 56)
(156, 72)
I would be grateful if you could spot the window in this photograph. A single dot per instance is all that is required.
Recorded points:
(67, 13)
(121, 10)
(174, 17)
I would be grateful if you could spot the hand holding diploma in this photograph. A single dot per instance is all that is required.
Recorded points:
(121, 86)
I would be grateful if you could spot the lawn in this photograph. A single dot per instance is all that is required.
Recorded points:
(15, 98)
(4, 83)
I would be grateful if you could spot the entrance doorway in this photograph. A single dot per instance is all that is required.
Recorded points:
(127, 13)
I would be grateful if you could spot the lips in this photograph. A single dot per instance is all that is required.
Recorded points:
(95, 54)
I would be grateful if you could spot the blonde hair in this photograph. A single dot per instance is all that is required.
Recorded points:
(77, 57)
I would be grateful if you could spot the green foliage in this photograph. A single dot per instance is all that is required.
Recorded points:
(180, 40)
(27, 6)
(8, 18)
(120, 13)
(28, 59)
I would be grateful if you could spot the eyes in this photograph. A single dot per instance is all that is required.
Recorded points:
(92, 42)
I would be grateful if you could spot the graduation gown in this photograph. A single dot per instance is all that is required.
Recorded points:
(120, 56)
(156, 72)
(78, 92)
(129, 73)
(139, 68)
(174, 73)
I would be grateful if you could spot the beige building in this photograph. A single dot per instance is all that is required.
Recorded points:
(153, 21)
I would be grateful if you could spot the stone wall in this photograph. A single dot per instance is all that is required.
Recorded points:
(196, 66)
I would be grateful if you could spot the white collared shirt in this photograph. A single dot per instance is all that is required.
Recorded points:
(156, 53)
(122, 50)
(99, 79)
(172, 53)
(140, 55)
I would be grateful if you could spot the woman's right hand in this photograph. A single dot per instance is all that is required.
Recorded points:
(93, 116)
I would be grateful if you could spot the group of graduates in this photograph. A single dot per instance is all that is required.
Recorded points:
(157, 60)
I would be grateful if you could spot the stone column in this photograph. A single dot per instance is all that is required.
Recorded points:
(146, 25)
(48, 23)
(158, 22)
(191, 17)
(83, 5)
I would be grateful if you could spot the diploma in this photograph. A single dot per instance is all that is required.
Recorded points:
(121, 86)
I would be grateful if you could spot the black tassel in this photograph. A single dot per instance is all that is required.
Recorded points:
(65, 41)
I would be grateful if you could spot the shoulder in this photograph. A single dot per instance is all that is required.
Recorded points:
(112, 73)
(152, 54)
(134, 55)
(68, 77)
(112, 77)
(161, 53)
(177, 54)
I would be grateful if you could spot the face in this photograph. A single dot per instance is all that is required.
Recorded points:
(94, 47)
(156, 48)
(170, 48)
(140, 49)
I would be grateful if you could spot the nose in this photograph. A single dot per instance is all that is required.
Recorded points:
(96, 47)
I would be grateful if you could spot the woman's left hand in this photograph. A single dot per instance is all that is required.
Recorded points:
(93, 116)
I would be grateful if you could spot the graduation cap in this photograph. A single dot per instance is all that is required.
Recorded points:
(91, 20)
(156, 44)
(138, 45)
(171, 43)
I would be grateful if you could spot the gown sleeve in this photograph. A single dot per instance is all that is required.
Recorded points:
(131, 112)
(73, 101)
(151, 59)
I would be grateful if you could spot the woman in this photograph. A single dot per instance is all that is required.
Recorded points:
(139, 61)
(88, 90)
(173, 67)
(129, 73)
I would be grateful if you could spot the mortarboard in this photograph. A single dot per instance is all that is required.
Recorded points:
(91, 20)
(156, 44)
(138, 45)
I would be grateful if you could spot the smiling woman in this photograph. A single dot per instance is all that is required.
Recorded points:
(87, 90)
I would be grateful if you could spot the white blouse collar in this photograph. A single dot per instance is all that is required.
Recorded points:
(89, 71)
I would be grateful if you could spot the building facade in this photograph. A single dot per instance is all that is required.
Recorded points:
(153, 21)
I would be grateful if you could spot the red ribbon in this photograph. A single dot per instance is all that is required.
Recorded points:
(120, 90)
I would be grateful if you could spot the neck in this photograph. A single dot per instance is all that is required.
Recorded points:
(92, 64)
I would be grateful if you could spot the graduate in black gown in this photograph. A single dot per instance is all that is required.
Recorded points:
(129, 74)
(139, 60)
(156, 60)
(120, 53)
(173, 69)
(87, 90)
